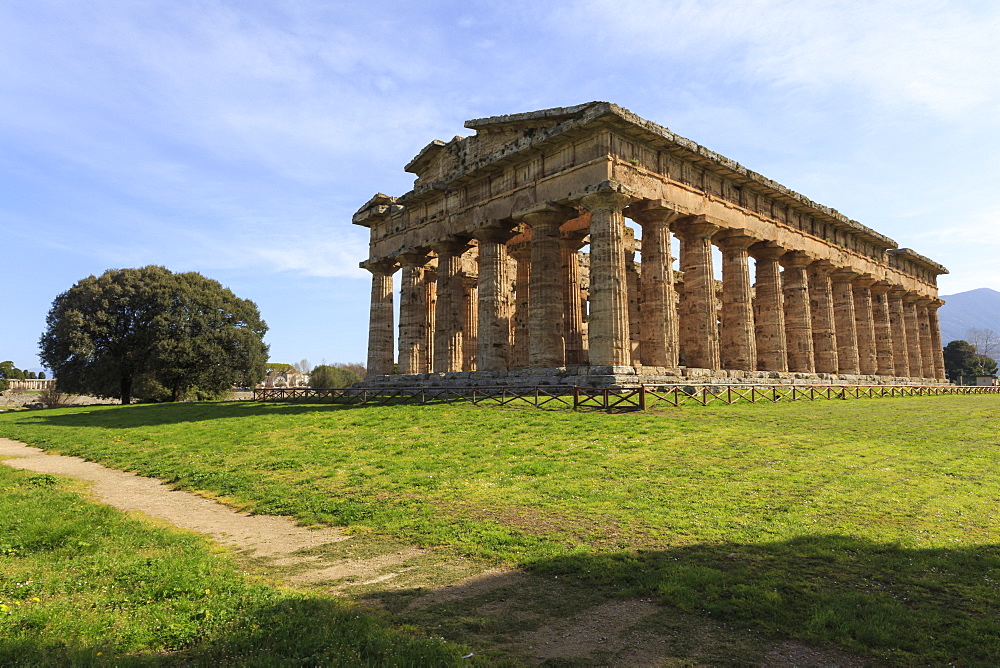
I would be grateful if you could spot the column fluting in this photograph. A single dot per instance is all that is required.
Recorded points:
(570, 245)
(414, 317)
(897, 323)
(494, 307)
(449, 311)
(884, 362)
(521, 327)
(381, 337)
(798, 316)
(845, 319)
(699, 321)
(824, 328)
(737, 335)
(769, 314)
(608, 324)
(912, 324)
(864, 325)
(658, 310)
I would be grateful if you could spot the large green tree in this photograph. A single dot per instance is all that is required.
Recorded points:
(961, 359)
(169, 334)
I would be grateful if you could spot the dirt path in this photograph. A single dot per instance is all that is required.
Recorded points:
(528, 617)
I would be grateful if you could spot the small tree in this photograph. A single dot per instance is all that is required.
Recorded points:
(41, 375)
(985, 341)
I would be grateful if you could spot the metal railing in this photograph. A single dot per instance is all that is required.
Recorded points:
(611, 399)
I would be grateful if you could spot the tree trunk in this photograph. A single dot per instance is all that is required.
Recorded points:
(126, 390)
(175, 394)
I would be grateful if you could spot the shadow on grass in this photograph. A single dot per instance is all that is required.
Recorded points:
(148, 415)
(302, 631)
(896, 604)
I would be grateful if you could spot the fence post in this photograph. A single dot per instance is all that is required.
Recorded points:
(642, 397)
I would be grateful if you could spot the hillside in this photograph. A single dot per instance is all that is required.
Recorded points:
(963, 311)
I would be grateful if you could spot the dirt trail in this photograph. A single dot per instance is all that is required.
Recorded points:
(525, 616)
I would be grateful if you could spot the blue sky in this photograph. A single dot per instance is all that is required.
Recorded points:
(237, 138)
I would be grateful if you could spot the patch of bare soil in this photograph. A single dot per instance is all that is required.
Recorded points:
(513, 616)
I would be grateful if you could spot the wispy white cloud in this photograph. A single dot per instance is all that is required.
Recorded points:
(936, 55)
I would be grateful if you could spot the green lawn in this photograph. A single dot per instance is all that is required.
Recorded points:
(869, 523)
(81, 584)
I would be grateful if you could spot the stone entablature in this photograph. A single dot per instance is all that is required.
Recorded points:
(494, 223)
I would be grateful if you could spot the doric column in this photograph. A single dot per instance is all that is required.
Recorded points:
(430, 287)
(570, 245)
(699, 323)
(913, 334)
(414, 318)
(521, 253)
(493, 314)
(658, 312)
(924, 328)
(843, 315)
(897, 324)
(864, 324)
(798, 317)
(608, 331)
(449, 311)
(936, 349)
(884, 364)
(547, 344)
(824, 328)
(634, 296)
(470, 303)
(769, 314)
(381, 336)
(737, 337)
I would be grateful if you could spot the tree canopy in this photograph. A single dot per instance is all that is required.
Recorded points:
(151, 332)
(961, 359)
(335, 375)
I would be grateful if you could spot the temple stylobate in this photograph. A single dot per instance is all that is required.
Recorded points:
(516, 266)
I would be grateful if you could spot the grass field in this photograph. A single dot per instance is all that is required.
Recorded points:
(81, 584)
(871, 524)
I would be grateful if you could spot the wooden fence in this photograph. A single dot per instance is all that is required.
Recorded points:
(622, 399)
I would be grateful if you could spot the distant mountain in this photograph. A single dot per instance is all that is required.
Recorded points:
(975, 309)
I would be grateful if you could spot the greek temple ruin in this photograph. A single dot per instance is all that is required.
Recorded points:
(517, 267)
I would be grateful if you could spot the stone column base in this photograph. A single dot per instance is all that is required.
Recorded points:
(626, 377)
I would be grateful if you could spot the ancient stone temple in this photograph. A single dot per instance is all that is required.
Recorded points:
(516, 266)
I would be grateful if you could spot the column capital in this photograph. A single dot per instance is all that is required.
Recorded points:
(385, 266)
(605, 196)
(912, 296)
(795, 259)
(413, 256)
(691, 227)
(766, 250)
(450, 246)
(822, 266)
(496, 233)
(881, 287)
(735, 239)
(545, 213)
(936, 303)
(652, 212)
(520, 250)
(865, 281)
(574, 240)
(924, 301)
(897, 292)
(844, 275)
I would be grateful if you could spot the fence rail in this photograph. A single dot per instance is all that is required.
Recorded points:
(621, 399)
